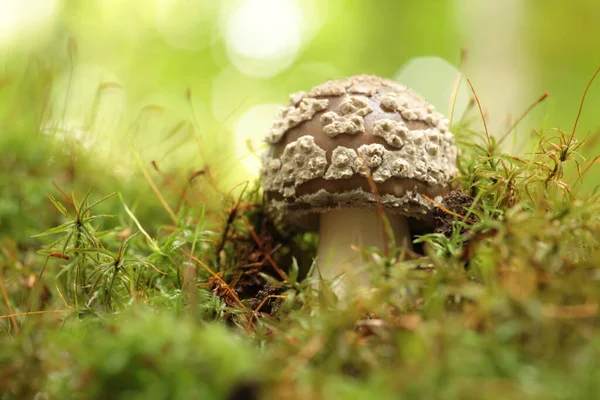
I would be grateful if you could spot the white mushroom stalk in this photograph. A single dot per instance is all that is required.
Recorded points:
(328, 148)
(343, 231)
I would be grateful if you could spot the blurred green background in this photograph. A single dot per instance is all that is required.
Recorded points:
(191, 83)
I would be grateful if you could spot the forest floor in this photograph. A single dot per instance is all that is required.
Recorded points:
(197, 294)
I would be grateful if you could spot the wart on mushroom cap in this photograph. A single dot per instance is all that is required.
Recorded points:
(327, 142)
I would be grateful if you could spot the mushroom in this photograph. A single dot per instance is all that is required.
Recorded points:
(330, 145)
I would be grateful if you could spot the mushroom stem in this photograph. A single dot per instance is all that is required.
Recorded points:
(340, 229)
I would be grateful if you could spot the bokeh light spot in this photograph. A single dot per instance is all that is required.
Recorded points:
(250, 131)
(21, 17)
(263, 36)
(436, 79)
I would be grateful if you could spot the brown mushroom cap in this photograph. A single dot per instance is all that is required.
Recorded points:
(326, 143)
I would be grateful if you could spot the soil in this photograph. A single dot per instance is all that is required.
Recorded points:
(271, 305)
(246, 390)
(456, 201)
